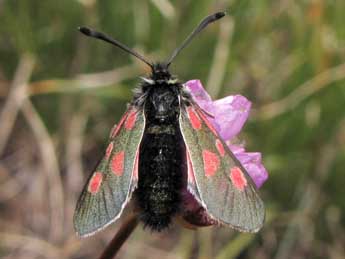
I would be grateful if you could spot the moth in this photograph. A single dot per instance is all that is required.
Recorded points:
(166, 157)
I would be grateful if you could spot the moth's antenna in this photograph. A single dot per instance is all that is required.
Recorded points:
(206, 21)
(98, 35)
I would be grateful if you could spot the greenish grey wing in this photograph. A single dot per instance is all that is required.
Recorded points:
(110, 186)
(216, 178)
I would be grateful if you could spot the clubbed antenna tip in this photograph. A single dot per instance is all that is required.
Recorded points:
(219, 15)
(85, 31)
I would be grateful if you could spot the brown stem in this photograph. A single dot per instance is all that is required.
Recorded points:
(120, 237)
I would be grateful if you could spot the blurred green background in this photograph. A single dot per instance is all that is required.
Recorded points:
(61, 93)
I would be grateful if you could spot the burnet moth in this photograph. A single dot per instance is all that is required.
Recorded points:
(166, 157)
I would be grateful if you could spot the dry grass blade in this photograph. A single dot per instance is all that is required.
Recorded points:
(51, 166)
(15, 99)
(114, 76)
(84, 81)
(165, 7)
(12, 186)
(302, 92)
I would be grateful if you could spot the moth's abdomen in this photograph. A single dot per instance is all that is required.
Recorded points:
(160, 177)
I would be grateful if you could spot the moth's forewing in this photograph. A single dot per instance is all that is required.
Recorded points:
(217, 179)
(110, 186)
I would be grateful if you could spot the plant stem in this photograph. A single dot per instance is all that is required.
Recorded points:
(120, 237)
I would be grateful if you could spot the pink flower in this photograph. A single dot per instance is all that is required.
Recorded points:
(229, 115)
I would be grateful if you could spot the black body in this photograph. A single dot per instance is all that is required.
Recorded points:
(162, 152)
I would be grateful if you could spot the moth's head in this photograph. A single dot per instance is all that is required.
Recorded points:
(160, 73)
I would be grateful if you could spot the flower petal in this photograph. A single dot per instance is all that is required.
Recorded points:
(251, 161)
(200, 95)
(231, 113)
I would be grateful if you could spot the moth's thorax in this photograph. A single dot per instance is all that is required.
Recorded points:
(162, 104)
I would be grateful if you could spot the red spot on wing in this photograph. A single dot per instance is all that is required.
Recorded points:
(131, 120)
(118, 127)
(95, 182)
(211, 162)
(237, 178)
(208, 123)
(191, 176)
(117, 163)
(194, 119)
(109, 149)
(220, 147)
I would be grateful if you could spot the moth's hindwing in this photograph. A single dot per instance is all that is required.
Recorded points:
(110, 186)
(216, 178)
